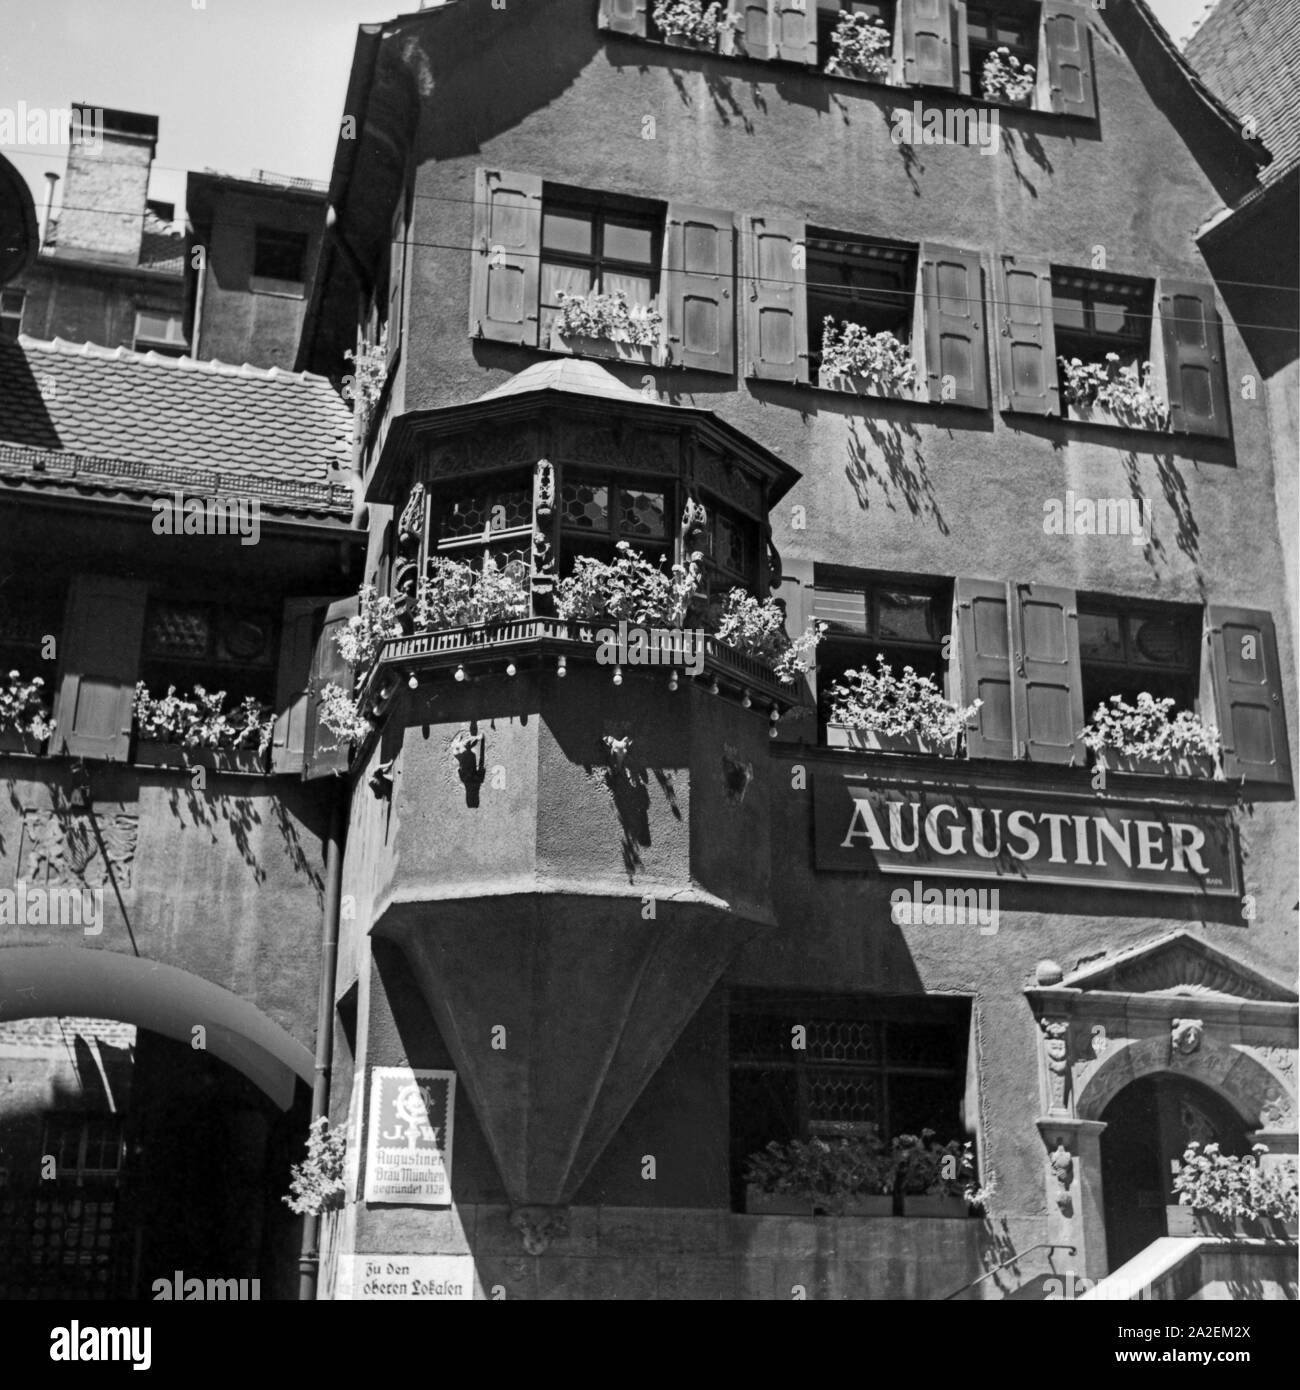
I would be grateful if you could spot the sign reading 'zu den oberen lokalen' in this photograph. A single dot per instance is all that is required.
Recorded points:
(960, 831)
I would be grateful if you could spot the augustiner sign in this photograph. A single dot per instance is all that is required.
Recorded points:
(961, 831)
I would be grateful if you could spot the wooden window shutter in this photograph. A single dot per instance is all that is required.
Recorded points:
(1195, 375)
(755, 35)
(797, 592)
(100, 664)
(1241, 647)
(982, 628)
(1069, 59)
(623, 16)
(699, 275)
(1027, 373)
(323, 752)
(775, 299)
(506, 260)
(794, 29)
(298, 627)
(963, 49)
(928, 57)
(1047, 686)
(396, 276)
(952, 286)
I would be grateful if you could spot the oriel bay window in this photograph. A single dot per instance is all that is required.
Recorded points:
(930, 297)
(1048, 313)
(492, 522)
(534, 242)
(598, 511)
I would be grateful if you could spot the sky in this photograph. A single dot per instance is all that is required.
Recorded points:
(237, 85)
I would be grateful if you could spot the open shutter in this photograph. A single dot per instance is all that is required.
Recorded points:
(323, 752)
(1048, 687)
(982, 627)
(1247, 684)
(100, 665)
(623, 16)
(1195, 377)
(699, 272)
(1026, 340)
(298, 625)
(396, 277)
(794, 28)
(755, 33)
(776, 304)
(1069, 60)
(796, 591)
(506, 260)
(952, 286)
(928, 58)
(963, 50)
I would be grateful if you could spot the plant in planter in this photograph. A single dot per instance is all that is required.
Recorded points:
(1146, 738)
(878, 709)
(1132, 399)
(24, 715)
(365, 383)
(609, 317)
(862, 46)
(201, 721)
(834, 1176)
(936, 1179)
(454, 594)
(628, 587)
(757, 628)
(691, 22)
(1229, 1190)
(360, 641)
(877, 359)
(316, 1184)
(341, 715)
(1005, 78)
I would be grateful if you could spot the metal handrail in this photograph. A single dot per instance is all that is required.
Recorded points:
(988, 1274)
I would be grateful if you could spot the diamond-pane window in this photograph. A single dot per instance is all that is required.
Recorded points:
(178, 631)
(642, 513)
(586, 506)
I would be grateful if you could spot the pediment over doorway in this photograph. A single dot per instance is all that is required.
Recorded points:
(1178, 964)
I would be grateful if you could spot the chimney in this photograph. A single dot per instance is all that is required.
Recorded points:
(107, 184)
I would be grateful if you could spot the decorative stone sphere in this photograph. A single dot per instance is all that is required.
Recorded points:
(1047, 972)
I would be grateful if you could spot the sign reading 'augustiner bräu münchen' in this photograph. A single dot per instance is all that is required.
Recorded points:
(960, 831)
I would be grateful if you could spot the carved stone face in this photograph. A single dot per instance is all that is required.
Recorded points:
(1186, 1035)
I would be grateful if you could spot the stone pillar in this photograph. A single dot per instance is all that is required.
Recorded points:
(1075, 1215)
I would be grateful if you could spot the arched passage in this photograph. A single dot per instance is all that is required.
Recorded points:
(41, 981)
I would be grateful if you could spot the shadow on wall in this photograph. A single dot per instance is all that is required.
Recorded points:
(887, 466)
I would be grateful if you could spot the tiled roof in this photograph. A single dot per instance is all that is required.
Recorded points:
(132, 422)
(1248, 53)
(565, 374)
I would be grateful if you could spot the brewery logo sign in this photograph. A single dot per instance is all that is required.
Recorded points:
(408, 1150)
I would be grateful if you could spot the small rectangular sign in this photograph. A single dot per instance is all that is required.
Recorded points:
(408, 1148)
(430, 1278)
(963, 831)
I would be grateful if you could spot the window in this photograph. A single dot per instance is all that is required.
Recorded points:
(195, 643)
(11, 313)
(597, 512)
(84, 1146)
(906, 622)
(160, 332)
(1006, 24)
(494, 519)
(279, 260)
(1126, 650)
(828, 18)
(28, 616)
(1097, 315)
(597, 248)
(898, 1063)
(859, 280)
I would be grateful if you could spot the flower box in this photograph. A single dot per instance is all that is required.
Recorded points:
(1187, 1221)
(1184, 765)
(868, 1204)
(16, 741)
(873, 741)
(829, 380)
(685, 41)
(609, 348)
(150, 752)
(934, 1204)
(1096, 414)
(760, 1203)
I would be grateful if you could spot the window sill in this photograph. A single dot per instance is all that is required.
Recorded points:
(1102, 416)
(277, 289)
(859, 386)
(606, 349)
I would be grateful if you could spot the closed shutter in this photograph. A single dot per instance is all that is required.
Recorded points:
(794, 27)
(982, 627)
(1247, 684)
(1047, 686)
(323, 752)
(100, 665)
(298, 626)
(1069, 61)
(952, 286)
(927, 26)
(623, 16)
(699, 272)
(1195, 376)
(506, 258)
(844, 609)
(396, 277)
(1026, 340)
(776, 304)
(755, 32)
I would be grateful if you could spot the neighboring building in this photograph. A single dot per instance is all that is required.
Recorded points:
(18, 235)
(260, 238)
